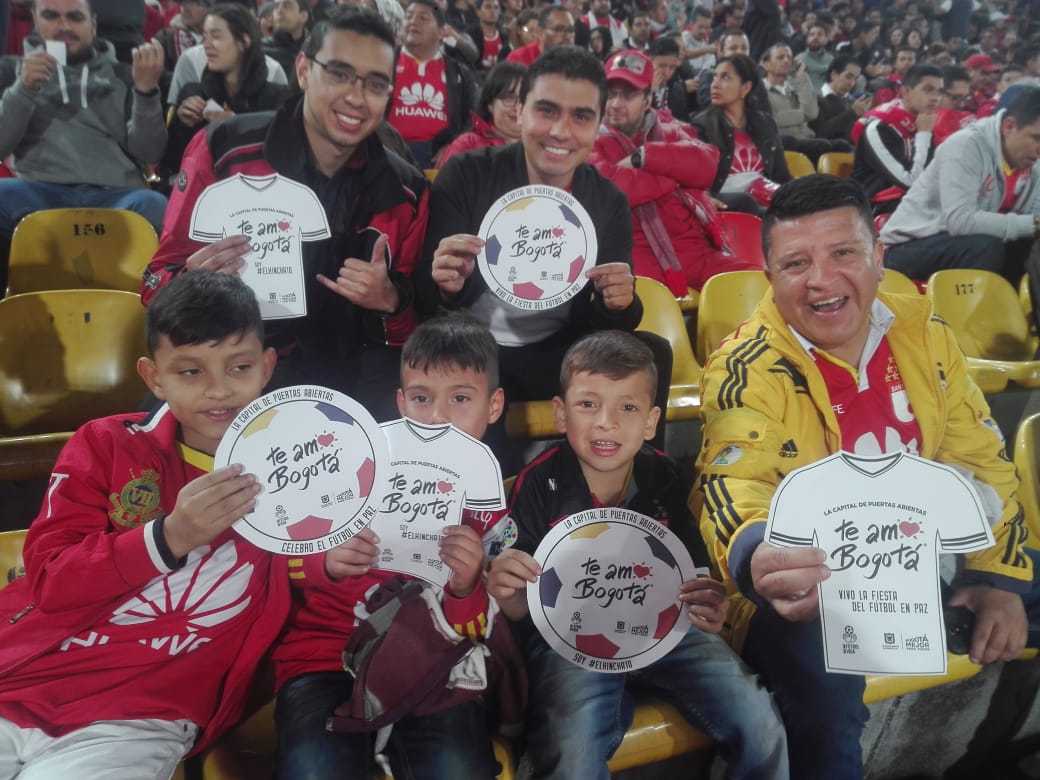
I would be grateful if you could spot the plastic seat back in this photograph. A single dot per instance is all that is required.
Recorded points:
(743, 233)
(798, 164)
(836, 163)
(895, 282)
(68, 356)
(662, 315)
(62, 249)
(1027, 461)
(727, 300)
(11, 564)
(985, 313)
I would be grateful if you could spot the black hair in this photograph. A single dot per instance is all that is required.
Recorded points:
(571, 63)
(544, 14)
(200, 307)
(839, 63)
(1024, 108)
(862, 28)
(344, 18)
(747, 70)
(952, 73)
(500, 80)
(438, 13)
(811, 195)
(243, 24)
(920, 71)
(769, 52)
(700, 11)
(614, 354)
(454, 340)
(664, 46)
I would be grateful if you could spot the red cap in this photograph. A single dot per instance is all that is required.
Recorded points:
(981, 62)
(631, 66)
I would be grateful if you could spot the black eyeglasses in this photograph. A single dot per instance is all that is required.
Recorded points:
(341, 75)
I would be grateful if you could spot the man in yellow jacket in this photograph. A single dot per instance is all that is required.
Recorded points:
(827, 364)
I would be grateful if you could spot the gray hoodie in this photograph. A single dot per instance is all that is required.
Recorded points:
(961, 191)
(86, 125)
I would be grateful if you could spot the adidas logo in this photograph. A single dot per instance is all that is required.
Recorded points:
(789, 449)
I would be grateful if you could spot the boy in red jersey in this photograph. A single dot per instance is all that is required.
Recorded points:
(449, 373)
(135, 583)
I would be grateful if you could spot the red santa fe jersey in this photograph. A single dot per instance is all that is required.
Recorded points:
(418, 109)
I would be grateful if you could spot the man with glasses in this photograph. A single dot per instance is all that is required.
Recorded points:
(665, 174)
(433, 92)
(555, 29)
(951, 113)
(357, 283)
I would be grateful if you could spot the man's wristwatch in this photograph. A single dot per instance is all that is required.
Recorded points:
(637, 157)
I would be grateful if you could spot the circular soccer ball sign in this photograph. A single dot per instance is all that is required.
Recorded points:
(317, 453)
(608, 597)
(538, 244)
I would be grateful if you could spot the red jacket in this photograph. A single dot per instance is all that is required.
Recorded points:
(674, 162)
(100, 628)
(376, 193)
(483, 134)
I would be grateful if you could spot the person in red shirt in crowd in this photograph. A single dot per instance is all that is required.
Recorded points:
(887, 87)
(134, 637)
(1008, 76)
(497, 118)
(433, 93)
(599, 16)
(951, 115)
(555, 28)
(983, 73)
(357, 283)
(489, 37)
(665, 173)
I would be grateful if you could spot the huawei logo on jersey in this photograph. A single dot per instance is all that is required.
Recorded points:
(421, 100)
(208, 591)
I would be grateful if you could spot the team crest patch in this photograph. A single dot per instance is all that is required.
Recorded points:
(730, 454)
(138, 501)
(182, 180)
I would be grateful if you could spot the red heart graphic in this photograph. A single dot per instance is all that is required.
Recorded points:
(642, 572)
(909, 529)
(326, 439)
(557, 232)
(445, 487)
(283, 225)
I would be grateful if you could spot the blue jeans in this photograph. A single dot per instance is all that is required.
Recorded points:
(20, 197)
(451, 743)
(824, 712)
(576, 718)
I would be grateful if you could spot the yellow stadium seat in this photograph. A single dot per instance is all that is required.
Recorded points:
(662, 315)
(1027, 461)
(836, 164)
(11, 564)
(798, 164)
(531, 420)
(247, 751)
(688, 303)
(727, 300)
(431, 174)
(985, 313)
(743, 233)
(61, 249)
(900, 284)
(1026, 300)
(657, 732)
(66, 356)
